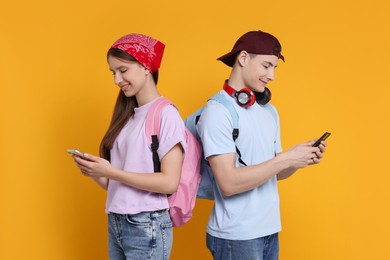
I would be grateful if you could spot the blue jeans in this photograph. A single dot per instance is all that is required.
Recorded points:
(263, 248)
(147, 235)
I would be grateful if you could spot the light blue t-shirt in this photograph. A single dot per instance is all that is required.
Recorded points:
(254, 213)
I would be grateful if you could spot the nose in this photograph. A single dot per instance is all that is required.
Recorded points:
(117, 78)
(271, 74)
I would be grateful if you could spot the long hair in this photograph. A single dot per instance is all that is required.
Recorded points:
(123, 109)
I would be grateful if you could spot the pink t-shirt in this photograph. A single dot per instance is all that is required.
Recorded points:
(131, 153)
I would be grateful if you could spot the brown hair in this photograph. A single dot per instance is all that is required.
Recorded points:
(123, 109)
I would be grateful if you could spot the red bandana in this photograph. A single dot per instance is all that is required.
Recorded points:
(144, 49)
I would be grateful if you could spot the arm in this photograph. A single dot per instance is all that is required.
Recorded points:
(219, 147)
(101, 181)
(165, 181)
(233, 180)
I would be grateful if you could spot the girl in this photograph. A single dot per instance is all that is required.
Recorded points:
(139, 225)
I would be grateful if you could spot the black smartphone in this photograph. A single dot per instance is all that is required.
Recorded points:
(322, 138)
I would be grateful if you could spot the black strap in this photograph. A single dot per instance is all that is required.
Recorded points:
(235, 134)
(239, 157)
(156, 159)
(197, 119)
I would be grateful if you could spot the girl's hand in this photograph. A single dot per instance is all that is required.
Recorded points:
(93, 166)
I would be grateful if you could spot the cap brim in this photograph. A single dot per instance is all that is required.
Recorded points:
(281, 57)
(228, 58)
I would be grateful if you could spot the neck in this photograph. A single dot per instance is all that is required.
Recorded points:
(235, 80)
(148, 93)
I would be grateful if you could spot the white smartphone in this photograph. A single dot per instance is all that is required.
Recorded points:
(76, 152)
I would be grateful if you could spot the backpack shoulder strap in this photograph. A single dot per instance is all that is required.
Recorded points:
(152, 128)
(228, 105)
(221, 99)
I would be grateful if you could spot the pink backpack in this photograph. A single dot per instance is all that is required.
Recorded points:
(182, 202)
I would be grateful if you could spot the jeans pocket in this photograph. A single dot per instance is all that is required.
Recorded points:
(139, 230)
(137, 220)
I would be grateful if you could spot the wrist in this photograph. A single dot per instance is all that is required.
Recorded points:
(110, 173)
(283, 161)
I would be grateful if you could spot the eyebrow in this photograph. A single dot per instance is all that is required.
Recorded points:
(120, 67)
(270, 64)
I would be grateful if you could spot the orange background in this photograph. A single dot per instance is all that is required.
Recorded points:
(57, 93)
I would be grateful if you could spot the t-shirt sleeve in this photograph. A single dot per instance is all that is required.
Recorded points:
(215, 129)
(172, 131)
(278, 143)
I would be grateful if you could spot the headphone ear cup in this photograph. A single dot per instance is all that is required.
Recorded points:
(263, 98)
(245, 97)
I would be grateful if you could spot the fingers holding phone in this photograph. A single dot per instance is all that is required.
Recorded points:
(321, 144)
(90, 165)
(81, 155)
(77, 154)
(322, 138)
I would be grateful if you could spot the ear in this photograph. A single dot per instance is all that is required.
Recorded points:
(146, 71)
(242, 58)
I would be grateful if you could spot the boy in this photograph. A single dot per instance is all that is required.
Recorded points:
(245, 220)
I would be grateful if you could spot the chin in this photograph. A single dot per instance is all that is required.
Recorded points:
(128, 94)
(260, 89)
